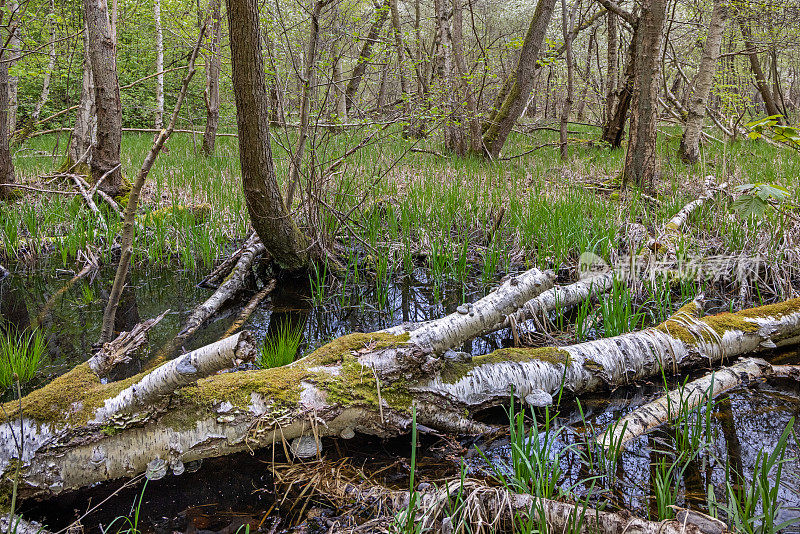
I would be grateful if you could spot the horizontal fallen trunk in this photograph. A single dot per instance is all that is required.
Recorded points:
(358, 383)
(688, 397)
(491, 508)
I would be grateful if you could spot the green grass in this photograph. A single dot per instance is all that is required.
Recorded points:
(20, 356)
(281, 348)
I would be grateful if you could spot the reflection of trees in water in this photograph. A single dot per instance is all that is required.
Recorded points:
(13, 307)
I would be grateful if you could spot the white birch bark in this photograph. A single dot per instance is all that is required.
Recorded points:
(81, 139)
(159, 118)
(181, 371)
(359, 383)
(668, 407)
(51, 63)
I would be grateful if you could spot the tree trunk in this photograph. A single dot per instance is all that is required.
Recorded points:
(12, 56)
(212, 82)
(401, 69)
(81, 140)
(641, 161)
(588, 79)
(381, 14)
(45, 94)
(159, 118)
(611, 81)
(361, 382)
(472, 119)
(108, 106)
(566, 25)
(452, 132)
(701, 85)
(271, 220)
(755, 66)
(519, 83)
(6, 163)
(308, 85)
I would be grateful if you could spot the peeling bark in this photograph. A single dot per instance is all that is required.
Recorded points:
(688, 397)
(359, 383)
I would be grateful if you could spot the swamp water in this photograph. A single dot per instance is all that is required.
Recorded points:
(222, 494)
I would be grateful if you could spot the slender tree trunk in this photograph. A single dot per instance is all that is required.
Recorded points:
(701, 85)
(81, 140)
(613, 55)
(641, 161)
(13, 55)
(45, 94)
(383, 87)
(6, 163)
(401, 68)
(308, 83)
(614, 128)
(212, 82)
(268, 213)
(159, 119)
(351, 93)
(755, 67)
(339, 88)
(582, 99)
(566, 25)
(520, 82)
(452, 133)
(472, 118)
(108, 106)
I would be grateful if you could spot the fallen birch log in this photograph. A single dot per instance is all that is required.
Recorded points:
(234, 283)
(689, 396)
(363, 383)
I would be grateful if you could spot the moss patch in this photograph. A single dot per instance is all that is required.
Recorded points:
(197, 214)
(778, 310)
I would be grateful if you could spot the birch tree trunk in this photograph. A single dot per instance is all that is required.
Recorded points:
(271, 220)
(212, 81)
(158, 123)
(472, 119)
(517, 87)
(108, 106)
(566, 24)
(612, 60)
(641, 161)
(358, 383)
(689, 150)
(405, 94)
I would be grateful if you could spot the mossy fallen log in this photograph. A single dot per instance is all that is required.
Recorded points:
(360, 383)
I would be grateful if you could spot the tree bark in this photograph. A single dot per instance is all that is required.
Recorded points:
(405, 94)
(566, 25)
(687, 397)
(108, 106)
(641, 161)
(12, 56)
(308, 83)
(81, 140)
(159, 118)
(212, 81)
(472, 118)
(381, 14)
(689, 150)
(755, 66)
(613, 58)
(518, 86)
(361, 382)
(271, 220)
(6, 163)
(45, 94)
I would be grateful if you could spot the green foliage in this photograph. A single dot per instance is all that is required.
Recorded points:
(281, 348)
(771, 127)
(20, 355)
(755, 198)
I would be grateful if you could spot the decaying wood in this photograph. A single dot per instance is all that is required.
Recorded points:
(248, 310)
(181, 371)
(363, 383)
(484, 508)
(234, 283)
(122, 347)
(689, 396)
